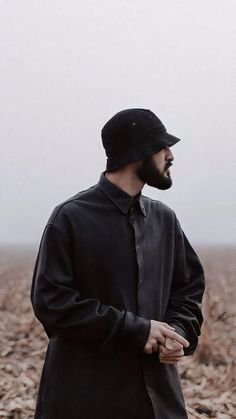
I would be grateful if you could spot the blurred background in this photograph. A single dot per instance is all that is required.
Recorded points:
(66, 68)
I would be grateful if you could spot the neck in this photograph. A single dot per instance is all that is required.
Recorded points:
(126, 180)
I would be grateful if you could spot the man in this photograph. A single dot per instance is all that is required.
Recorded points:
(118, 287)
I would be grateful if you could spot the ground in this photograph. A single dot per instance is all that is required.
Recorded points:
(208, 377)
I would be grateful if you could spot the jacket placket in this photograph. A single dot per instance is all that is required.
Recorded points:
(135, 222)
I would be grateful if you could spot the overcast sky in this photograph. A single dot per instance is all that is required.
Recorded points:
(67, 66)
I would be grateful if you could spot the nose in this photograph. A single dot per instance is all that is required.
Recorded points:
(169, 155)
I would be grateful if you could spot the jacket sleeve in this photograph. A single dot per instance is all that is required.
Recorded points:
(58, 306)
(184, 310)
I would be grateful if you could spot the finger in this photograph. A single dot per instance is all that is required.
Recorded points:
(175, 359)
(168, 357)
(169, 344)
(177, 345)
(167, 352)
(168, 326)
(148, 349)
(175, 336)
(161, 339)
(164, 351)
(171, 353)
(155, 347)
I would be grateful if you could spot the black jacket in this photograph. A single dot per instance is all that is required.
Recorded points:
(102, 273)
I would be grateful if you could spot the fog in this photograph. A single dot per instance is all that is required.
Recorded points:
(68, 66)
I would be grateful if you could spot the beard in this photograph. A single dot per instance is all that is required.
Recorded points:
(150, 174)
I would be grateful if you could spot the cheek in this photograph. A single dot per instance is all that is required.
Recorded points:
(161, 159)
(159, 162)
(163, 166)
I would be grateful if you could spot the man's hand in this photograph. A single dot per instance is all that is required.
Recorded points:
(170, 356)
(163, 334)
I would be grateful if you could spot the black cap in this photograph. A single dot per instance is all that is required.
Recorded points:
(133, 134)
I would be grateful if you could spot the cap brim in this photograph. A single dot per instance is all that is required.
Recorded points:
(168, 139)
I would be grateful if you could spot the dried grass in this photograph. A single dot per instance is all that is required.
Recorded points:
(208, 377)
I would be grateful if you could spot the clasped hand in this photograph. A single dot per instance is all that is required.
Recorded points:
(166, 341)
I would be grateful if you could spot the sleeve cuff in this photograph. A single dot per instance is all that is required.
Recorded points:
(136, 330)
(179, 330)
(191, 349)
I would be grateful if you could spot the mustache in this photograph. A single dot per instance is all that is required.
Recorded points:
(168, 165)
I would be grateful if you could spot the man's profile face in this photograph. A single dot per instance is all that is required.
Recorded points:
(154, 169)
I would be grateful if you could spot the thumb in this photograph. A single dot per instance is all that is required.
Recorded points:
(169, 344)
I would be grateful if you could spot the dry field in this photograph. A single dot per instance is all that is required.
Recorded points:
(208, 377)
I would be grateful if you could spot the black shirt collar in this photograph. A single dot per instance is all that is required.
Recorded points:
(119, 197)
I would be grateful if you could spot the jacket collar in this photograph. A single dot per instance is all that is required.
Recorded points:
(119, 197)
